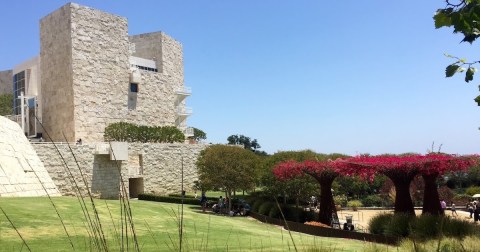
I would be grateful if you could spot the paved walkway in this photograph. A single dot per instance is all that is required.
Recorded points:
(361, 218)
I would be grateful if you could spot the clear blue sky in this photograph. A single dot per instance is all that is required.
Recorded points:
(331, 76)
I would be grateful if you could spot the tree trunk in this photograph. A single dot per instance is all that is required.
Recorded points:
(327, 205)
(431, 199)
(403, 200)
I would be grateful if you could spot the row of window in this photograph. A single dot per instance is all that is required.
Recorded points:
(145, 68)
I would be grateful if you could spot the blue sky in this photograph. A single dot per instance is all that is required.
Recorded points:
(331, 76)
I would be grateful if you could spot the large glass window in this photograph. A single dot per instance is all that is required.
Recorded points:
(18, 88)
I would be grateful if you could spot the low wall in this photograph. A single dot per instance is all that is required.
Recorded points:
(158, 167)
(326, 232)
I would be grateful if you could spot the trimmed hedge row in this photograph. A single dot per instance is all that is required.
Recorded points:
(129, 132)
(168, 199)
(268, 208)
(421, 227)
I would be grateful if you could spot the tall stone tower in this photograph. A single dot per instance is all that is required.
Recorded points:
(94, 74)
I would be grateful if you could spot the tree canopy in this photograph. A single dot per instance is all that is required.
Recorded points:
(6, 104)
(199, 134)
(247, 143)
(229, 168)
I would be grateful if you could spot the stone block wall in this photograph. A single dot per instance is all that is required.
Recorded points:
(100, 51)
(161, 167)
(21, 171)
(57, 75)
(6, 82)
(85, 74)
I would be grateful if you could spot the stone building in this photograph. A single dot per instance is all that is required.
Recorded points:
(91, 73)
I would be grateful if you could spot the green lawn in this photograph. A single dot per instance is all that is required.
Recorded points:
(156, 225)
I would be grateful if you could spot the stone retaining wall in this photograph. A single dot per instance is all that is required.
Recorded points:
(159, 165)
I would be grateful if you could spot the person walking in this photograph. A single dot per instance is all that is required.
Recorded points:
(470, 209)
(203, 202)
(454, 210)
(443, 204)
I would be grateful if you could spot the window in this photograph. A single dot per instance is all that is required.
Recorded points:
(134, 87)
(18, 88)
(132, 96)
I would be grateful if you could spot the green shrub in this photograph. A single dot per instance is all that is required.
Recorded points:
(275, 212)
(458, 228)
(426, 227)
(354, 204)
(373, 201)
(472, 190)
(292, 213)
(256, 205)
(378, 223)
(265, 207)
(399, 225)
(167, 199)
(340, 200)
(6, 104)
(129, 132)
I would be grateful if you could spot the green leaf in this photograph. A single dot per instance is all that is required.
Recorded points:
(442, 19)
(477, 100)
(469, 75)
(451, 70)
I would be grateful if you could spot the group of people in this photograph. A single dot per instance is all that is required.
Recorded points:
(474, 210)
(222, 205)
(443, 205)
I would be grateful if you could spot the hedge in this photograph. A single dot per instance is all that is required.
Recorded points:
(129, 132)
(167, 199)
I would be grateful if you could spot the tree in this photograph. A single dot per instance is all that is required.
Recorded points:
(464, 16)
(6, 104)
(227, 167)
(402, 169)
(198, 134)
(245, 141)
(322, 171)
(295, 188)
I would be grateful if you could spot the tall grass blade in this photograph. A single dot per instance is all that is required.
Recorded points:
(286, 224)
(78, 191)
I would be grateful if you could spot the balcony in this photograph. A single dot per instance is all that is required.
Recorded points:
(184, 111)
(182, 93)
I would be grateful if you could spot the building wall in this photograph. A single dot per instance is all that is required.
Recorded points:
(21, 171)
(86, 72)
(160, 166)
(100, 51)
(168, 56)
(6, 82)
(57, 74)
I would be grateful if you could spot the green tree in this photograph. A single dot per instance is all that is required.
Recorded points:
(198, 134)
(6, 104)
(464, 17)
(247, 143)
(227, 167)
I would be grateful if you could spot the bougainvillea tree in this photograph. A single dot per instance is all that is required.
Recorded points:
(433, 166)
(402, 169)
(324, 172)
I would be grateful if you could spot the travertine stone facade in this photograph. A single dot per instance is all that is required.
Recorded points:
(159, 165)
(6, 83)
(57, 74)
(86, 74)
(21, 171)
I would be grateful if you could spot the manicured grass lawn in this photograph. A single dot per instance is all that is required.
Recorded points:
(156, 225)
